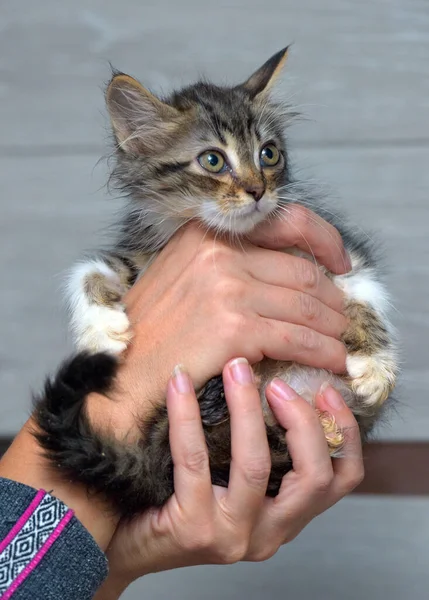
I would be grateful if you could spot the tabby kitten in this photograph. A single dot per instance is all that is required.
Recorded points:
(216, 154)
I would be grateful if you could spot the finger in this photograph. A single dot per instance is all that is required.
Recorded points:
(296, 273)
(250, 464)
(304, 435)
(348, 467)
(290, 342)
(309, 232)
(299, 308)
(192, 481)
(304, 487)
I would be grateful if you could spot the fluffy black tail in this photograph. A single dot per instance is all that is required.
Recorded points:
(131, 476)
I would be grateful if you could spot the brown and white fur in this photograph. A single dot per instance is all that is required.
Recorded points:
(159, 145)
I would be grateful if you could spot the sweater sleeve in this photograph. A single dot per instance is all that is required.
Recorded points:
(45, 552)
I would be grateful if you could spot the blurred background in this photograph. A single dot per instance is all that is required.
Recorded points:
(358, 70)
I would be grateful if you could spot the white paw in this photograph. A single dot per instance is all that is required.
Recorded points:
(372, 377)
(103, 329)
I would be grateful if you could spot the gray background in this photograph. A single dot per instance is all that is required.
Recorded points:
(359, 72)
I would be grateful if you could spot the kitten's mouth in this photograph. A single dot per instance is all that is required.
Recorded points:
(249, 209)
(263, 207)
(238, 219)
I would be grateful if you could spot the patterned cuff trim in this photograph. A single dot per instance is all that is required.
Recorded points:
(30, 539)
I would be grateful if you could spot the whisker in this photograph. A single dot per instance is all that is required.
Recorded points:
(318, 224)
(282, 208)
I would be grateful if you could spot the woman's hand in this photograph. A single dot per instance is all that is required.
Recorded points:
(204, 524)
(204, 301)
(201, 303)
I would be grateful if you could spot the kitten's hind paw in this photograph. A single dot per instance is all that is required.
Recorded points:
(104, 330)
(372, 378)
(98, 318)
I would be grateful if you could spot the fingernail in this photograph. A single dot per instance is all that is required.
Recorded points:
(181, 380)
(348, 261)
(282, 390)
(332, 397)
(323, 387)
(241, 371)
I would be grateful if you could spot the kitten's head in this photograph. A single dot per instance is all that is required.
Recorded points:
(207, 152)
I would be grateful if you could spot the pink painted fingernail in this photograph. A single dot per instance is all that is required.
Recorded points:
(241, 371)
(332, 396)
(348, 261)
(181, 380)
(282, 390)
(322, 388)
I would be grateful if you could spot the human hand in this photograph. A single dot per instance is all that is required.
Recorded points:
(204, 301)
(205, 524)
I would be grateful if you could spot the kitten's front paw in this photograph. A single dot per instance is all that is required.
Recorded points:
(372, 378)
(104, 329)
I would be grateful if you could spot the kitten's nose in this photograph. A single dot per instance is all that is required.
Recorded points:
(257, 190)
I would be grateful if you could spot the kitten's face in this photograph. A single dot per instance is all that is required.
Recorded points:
(227, 163)
(216, 154)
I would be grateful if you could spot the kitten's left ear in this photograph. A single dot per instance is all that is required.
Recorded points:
(263, 79)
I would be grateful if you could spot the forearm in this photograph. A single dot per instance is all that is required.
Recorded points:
(24, 463)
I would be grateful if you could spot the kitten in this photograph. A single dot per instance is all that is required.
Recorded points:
(216, 154)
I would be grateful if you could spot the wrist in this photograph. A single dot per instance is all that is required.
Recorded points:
(111, 417)
(113, 587)
(120, 412)
(24, 462)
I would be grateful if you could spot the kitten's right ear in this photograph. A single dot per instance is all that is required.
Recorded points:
(140, 120)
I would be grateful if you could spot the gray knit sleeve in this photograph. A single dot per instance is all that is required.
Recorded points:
(45, 552)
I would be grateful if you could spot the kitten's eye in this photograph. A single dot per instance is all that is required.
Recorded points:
(270, 156)
(212, 161)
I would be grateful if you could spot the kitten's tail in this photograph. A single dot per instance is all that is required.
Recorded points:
(123, 473)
